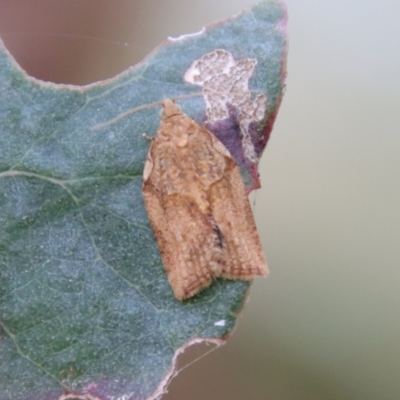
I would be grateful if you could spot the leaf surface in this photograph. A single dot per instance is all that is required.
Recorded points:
(85, 305)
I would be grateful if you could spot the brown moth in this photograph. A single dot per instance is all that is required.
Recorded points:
(197, 204)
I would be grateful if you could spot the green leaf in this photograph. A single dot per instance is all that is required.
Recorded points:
(85, 305)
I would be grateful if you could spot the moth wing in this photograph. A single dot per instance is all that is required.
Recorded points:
(232, 212)
(190, 251)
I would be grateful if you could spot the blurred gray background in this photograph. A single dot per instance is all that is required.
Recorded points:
(326, 323)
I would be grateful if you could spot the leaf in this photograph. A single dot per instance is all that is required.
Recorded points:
(86, 310)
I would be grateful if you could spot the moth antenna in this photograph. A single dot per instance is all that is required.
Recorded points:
(147, 137)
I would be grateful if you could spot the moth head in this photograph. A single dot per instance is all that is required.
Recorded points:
(170, 109)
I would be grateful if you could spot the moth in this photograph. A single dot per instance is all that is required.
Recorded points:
(198, 207)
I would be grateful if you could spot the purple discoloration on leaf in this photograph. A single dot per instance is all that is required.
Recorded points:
(229, 132)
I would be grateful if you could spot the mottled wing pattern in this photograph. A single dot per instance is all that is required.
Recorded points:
(190, 251)
(232, 213)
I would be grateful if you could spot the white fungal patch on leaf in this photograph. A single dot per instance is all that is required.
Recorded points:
(226, 81)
